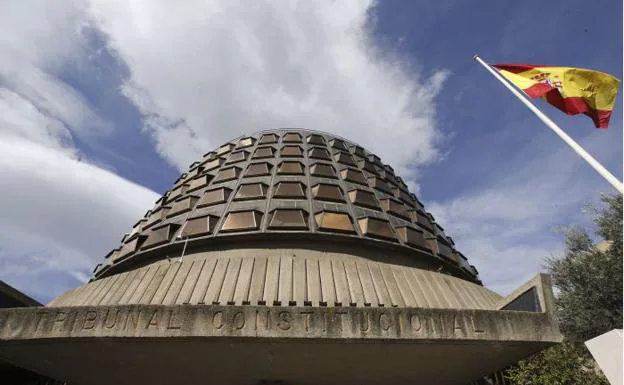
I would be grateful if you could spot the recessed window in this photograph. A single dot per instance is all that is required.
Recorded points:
(268, 139)
(178, 191)
(334, 222)
(375, 228)
(323, 170)
(338, 144)
(264, 152)
(130, 247)
(199, 182)
(183, 205)
(227, 174)
(367, 166)
(292, 190)
(291, 151)
(242, 221)
(292, 137)
(316, 139)
(412, 237)
(213, 164)
(258, 169)
(290, 168)
(363, 198)
(251, 191)
(374, 158)
(379, 184)
(160, 235)
(327, 192)
(225, 149)
(352, 175)
(318, 153)
(196, 227)
(359, 151)
(395, 208)
(238, 156)
(214, 197)
(344, 158)
(246, 142)
(289, 219)
(156, 216)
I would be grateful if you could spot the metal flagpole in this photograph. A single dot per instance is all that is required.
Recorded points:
(575, 146)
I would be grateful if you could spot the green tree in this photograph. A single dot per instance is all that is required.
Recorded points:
(588, 279)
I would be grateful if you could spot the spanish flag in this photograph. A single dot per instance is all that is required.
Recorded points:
(572, 90)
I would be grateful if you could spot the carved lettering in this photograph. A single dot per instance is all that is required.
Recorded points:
(364, 322)
(384, 322)
(217, 320)
(173, 322)
(458, 325)
(60, 316)
(283, 320)
(307, 315)
(340, 314)
(416, 322)
(132, 319)
(153, 321)
(89, 320)
(107, 320)
(476, 328)
(239, 320)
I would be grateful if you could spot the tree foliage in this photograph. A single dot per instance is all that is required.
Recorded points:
(588, 278)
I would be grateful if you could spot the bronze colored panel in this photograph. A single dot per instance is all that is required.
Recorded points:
(290, 168)
(156, 216)
(316, 139)
(395, 208)
(295, 190)
(376, 228)
(344, 158)
(338, 144)
(246, 142)
(195, 227)
(359, 151)
(251, 191)
(379, 184)
(374, 159)
(292, 137)
(289, 151)
(182, 206)
(213, 164)
(352, 175)
(290, 219)
(225, 149)
(368, 166)
(423, 220)
(214, 197)
(227, 174)
(242, 221)
(199, 182)
(263, 152)
(130, 247)
(160, 236)
(194, 171)
(238, 156)
(323, 169)
(178, 191)
(268, 139)
(334, 222)
(318, 153)
(327, 192)
(444, 249)
(258, 169)
(413, 237)
(363, 198)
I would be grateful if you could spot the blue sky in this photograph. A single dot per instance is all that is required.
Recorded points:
(102, 105)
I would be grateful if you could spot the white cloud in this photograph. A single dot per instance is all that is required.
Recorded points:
(208, 71)
(507, 227)
(60, 215)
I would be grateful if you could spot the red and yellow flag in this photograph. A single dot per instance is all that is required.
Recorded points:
(572, 90)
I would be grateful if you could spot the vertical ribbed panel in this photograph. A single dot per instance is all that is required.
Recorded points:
(282, 281)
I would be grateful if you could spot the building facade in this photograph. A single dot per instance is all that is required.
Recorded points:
(286, 256)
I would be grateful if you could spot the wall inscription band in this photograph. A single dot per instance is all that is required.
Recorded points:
(247, 321)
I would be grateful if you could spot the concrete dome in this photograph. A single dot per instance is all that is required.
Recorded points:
(287, 256)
